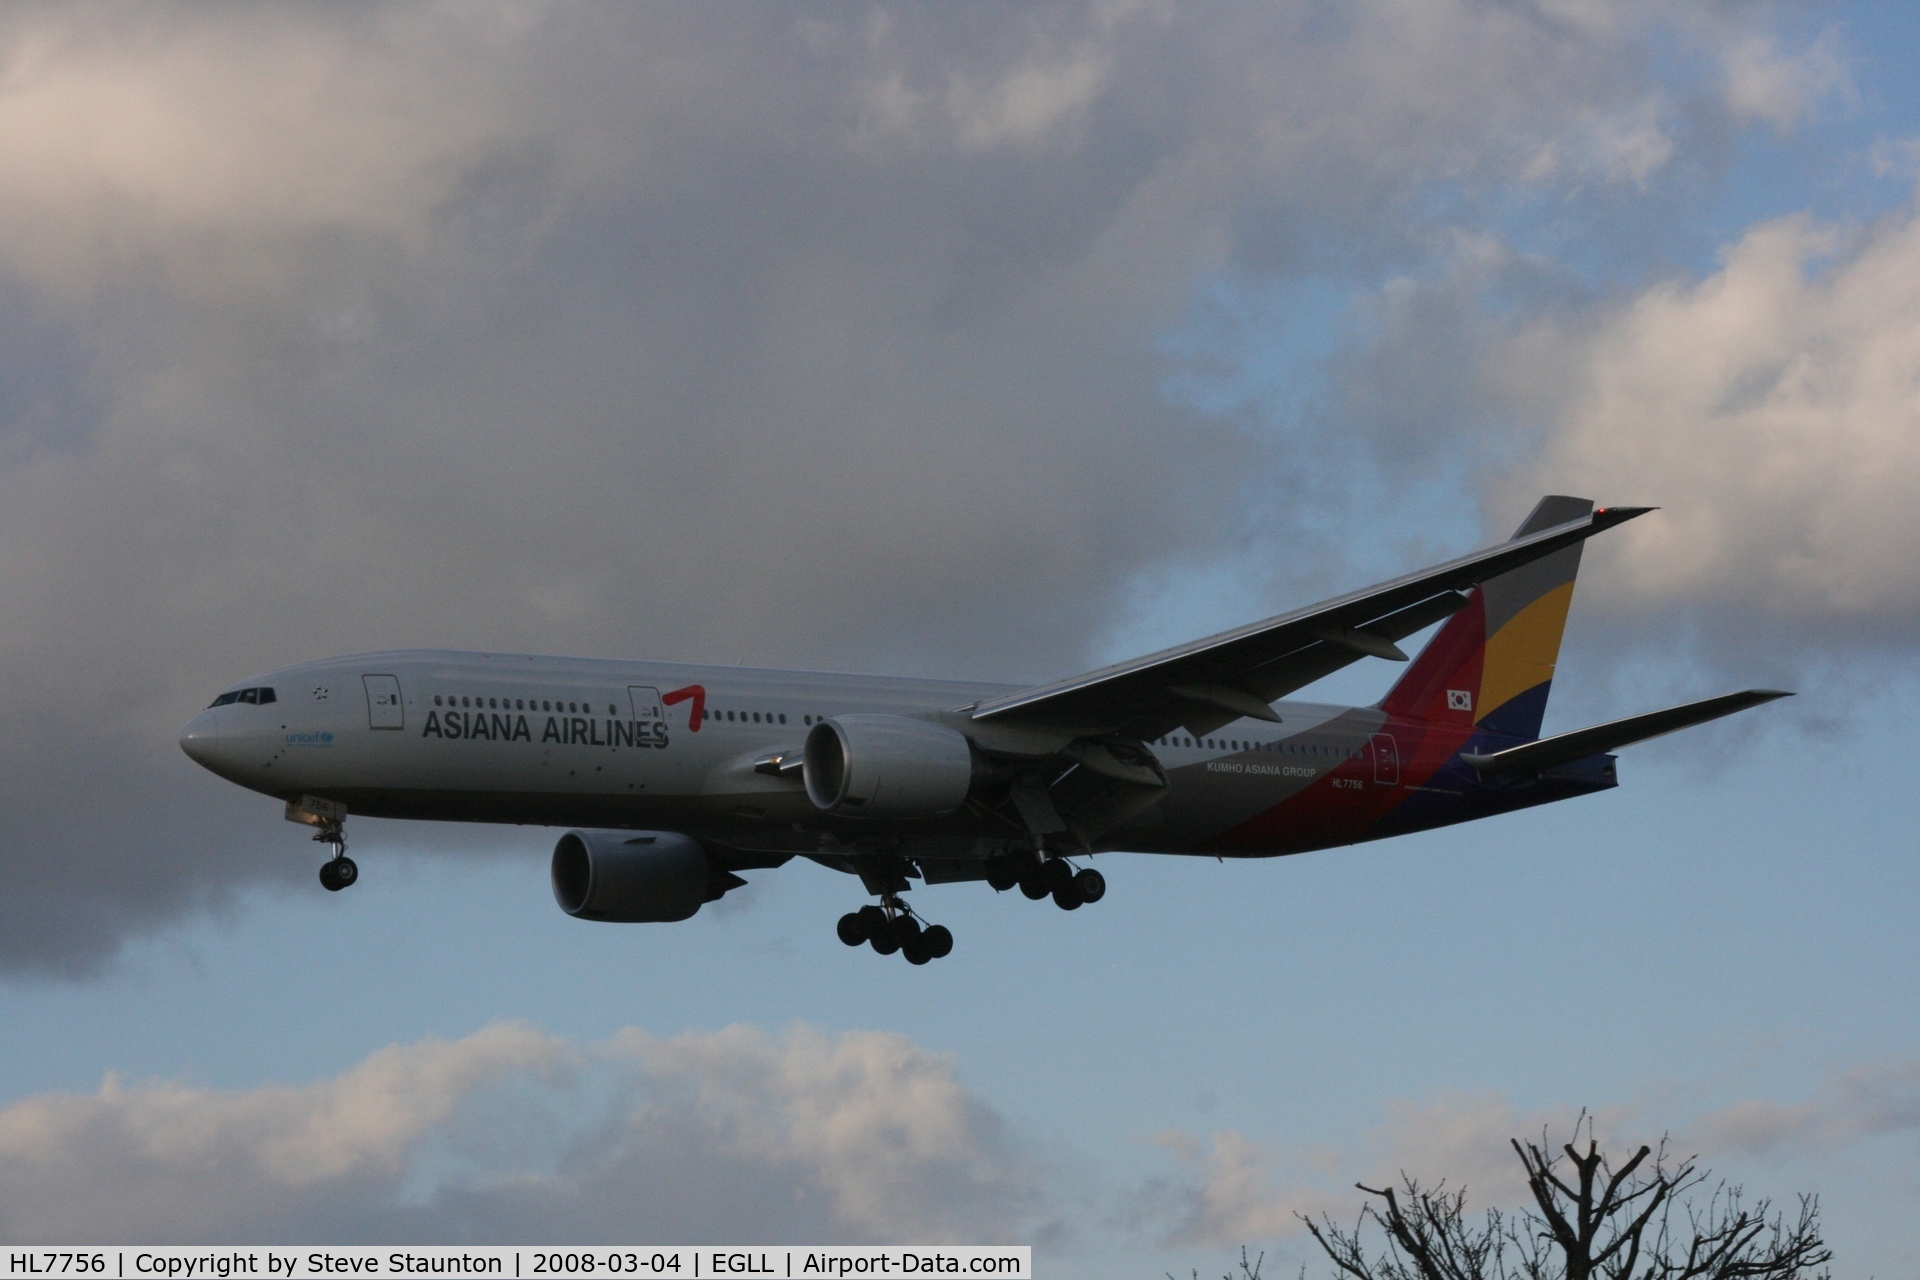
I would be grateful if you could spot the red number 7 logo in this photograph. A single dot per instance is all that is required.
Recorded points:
(698, 693)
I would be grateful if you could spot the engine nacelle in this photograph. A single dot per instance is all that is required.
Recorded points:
(633, 876)
(888, 767)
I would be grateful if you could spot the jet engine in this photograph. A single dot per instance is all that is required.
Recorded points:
(635, 876)
(873, 766)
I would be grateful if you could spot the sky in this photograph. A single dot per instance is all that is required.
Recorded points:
(974, 341)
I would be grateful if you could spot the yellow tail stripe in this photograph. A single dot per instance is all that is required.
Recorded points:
(1522, 654)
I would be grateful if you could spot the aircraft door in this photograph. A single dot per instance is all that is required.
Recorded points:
(646, 702)
(1386, 760)
(384, 710)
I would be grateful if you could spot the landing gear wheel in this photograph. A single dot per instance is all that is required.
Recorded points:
(852, 929)
(338, 873)
(884, 942)
(1002, 874)
(1033, 886)
(1090, 885)
(916, 951)
(1056, 874)
(1068, 898)
(938, 941)
(873, 920)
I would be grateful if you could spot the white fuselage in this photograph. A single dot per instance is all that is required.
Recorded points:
(513, 738)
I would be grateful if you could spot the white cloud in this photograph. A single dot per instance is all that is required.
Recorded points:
(1772, 409)
(167, 1161)
(742, 1134)
(1232, 1190)
(1781, 89)
(1230, 1195)
(897, 1145)
(1872, 1101)
(511, 1134)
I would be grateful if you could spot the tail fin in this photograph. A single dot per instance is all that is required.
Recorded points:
(1491, 664)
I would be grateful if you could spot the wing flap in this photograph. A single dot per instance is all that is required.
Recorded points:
(1565, 748)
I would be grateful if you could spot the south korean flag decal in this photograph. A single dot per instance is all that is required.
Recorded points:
(1459, 700)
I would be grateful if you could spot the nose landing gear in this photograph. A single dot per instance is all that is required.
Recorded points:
(329, 820)
(339, 871)
(892, 926)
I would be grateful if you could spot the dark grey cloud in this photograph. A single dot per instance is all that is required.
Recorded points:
(792, 336)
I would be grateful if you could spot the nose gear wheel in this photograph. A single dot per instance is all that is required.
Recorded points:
(339, 871)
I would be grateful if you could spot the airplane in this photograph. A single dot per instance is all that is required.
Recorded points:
(676, 778)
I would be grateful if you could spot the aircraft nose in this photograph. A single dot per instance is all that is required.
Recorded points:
(200, 739)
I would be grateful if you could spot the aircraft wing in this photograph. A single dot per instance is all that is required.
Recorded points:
(1565, 748)
(1207, 683)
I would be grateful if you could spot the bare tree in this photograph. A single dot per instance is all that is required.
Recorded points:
(1248, 1270)
(1588, 1221)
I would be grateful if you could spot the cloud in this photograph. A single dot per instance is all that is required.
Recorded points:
(1230, 1195)
(1232, 1190)
(747, 1135)
(1871, 1101)
(694, 333)
(510, 1134)
(1769, 409)
(1781, 89)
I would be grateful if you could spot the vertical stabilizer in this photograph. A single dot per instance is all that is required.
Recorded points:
(1491, 664)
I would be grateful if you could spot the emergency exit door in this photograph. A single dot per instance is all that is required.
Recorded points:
(383, 702)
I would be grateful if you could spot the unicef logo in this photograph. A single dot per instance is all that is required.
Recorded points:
(310, 739)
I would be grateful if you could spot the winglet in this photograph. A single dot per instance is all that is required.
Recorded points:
(1607, 517)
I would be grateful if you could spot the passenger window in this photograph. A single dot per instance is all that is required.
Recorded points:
(783, 717)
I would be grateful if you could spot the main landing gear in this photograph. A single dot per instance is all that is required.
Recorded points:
(338, 871)
(1051, 876)
(892, 926)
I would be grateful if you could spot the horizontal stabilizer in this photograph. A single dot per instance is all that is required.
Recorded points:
(1565, 748)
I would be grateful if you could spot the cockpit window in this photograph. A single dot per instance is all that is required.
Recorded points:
(253, 697)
